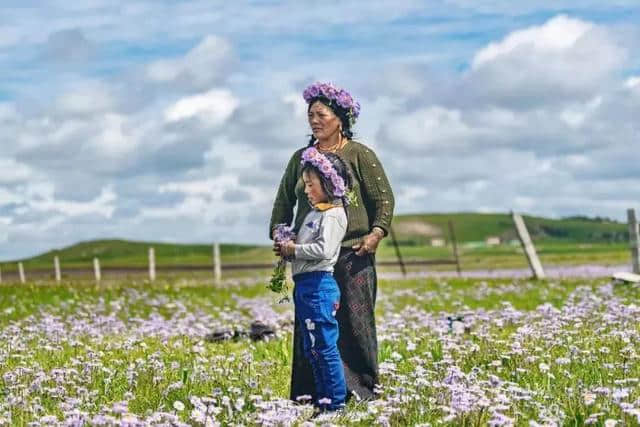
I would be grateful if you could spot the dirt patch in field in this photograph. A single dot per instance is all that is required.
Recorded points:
(418, 228)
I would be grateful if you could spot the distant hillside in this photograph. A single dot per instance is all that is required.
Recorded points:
(469, 227)
(411, 230)
(117, 253)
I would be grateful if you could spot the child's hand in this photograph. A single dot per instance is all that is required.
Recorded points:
(276, 248)
(287, 249)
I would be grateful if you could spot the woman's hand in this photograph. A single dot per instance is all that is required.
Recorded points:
(369, 243)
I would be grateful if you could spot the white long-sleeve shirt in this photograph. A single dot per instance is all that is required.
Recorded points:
(318, 240)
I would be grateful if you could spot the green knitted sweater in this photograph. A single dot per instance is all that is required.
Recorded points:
(375, 200)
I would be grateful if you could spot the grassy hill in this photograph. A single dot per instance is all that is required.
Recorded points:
(559, 241)
(124, 253)
(470, 227)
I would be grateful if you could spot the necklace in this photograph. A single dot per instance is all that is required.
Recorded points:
(334, 148)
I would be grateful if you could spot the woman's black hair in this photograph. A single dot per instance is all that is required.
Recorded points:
(341, 168)
(338, 111)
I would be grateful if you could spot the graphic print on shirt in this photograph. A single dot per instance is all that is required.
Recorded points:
(313, 225)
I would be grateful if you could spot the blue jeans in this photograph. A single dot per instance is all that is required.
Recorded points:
(317, 298)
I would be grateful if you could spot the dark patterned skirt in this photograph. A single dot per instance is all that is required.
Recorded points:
(358, 344)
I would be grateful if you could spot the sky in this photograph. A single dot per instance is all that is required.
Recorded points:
(173, 120)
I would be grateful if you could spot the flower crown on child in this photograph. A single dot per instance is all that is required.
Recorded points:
(320, 161)
(334, 94)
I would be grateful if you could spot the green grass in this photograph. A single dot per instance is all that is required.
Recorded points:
(170, 369)
(65, 327)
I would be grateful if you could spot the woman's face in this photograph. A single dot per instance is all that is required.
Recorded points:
(313, 188)
(323, 121)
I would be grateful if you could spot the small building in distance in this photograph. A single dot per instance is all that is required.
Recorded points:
(492, 240)
(437, 242)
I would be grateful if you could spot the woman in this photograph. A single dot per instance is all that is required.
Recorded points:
(331, 113)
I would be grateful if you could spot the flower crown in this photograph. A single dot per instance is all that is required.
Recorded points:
(317, 159)
(334, 94)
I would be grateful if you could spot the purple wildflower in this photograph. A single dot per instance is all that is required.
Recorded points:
(317, 159)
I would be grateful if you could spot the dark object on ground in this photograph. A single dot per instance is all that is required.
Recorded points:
(258, 331)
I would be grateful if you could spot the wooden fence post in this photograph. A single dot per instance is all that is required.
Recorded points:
(454, 245)
(56, 267)
(152, 264)
(217, 268)
(634, 240)
(397, 248)
(21, 273)
(96, 269)
(527, 245)
(0, 274)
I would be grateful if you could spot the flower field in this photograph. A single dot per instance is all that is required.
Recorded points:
(452, 352)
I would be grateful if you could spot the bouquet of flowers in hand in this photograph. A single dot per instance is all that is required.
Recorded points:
(278, 282)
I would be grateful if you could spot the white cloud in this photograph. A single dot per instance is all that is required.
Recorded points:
(86, 98)
(68, 45)
(9, 35)
(201, 67)
(575, 115)
(8, 112)
(12, 171)
(103, 205)
(426, 128)
(191, 207)
(556, 35)
(111, 138)
(298, 105)
(632, 82)
(8, 197)
(5, 222)
(152, 138)
(218, 200)
(206, 187)
(563, 59)
(213, 107)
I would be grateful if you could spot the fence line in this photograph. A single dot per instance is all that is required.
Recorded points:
(217, 263)
(152, 264)
(219, 267)
(21, 273)
(56, 267)
(634, 240)
(96, 270)
(527, 245)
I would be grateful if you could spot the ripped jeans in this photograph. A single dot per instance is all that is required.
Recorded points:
(317, 298)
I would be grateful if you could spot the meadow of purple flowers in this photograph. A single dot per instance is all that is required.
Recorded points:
(452, 352)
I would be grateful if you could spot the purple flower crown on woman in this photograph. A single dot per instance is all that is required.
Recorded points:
(317, 159)
(334, 94)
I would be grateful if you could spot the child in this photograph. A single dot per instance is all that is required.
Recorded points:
(316, 294)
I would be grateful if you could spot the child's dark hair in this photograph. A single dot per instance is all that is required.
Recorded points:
(341, 168)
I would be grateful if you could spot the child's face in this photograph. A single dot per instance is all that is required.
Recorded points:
(313, 188)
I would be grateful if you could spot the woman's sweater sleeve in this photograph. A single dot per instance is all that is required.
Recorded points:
(376, 189)
(285, 201)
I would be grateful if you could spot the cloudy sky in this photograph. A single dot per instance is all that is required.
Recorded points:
(173, 120)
